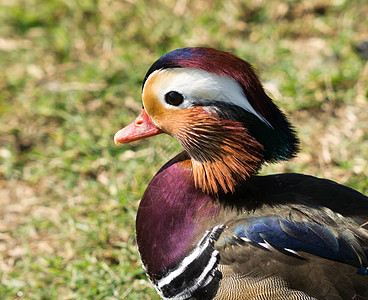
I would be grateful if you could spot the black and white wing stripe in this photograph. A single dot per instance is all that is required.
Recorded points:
(196, 276)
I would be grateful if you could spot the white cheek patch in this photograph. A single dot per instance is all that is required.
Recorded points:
(197, 85)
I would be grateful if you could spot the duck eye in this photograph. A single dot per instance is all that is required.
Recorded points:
(174, 98)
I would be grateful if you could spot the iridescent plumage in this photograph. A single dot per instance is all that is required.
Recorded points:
(207, 226)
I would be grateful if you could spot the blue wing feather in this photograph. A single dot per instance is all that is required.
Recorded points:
(314, 238)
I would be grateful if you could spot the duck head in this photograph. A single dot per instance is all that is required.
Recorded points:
(214, 105)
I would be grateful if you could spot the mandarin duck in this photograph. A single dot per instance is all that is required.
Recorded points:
(209, 227)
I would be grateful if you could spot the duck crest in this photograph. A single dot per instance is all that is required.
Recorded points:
(223, 64)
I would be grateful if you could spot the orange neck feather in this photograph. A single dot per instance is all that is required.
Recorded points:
(222, 152)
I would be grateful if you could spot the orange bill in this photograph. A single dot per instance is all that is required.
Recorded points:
(141, 128)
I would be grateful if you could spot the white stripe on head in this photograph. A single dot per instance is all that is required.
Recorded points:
(197, 86)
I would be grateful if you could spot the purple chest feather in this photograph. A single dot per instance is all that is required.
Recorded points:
(171, 217)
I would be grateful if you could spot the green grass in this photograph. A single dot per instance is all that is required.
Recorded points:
(71, 77)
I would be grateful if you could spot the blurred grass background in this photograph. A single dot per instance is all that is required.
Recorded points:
(71, 74)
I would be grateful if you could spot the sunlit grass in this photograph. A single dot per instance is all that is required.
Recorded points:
(71, 77)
